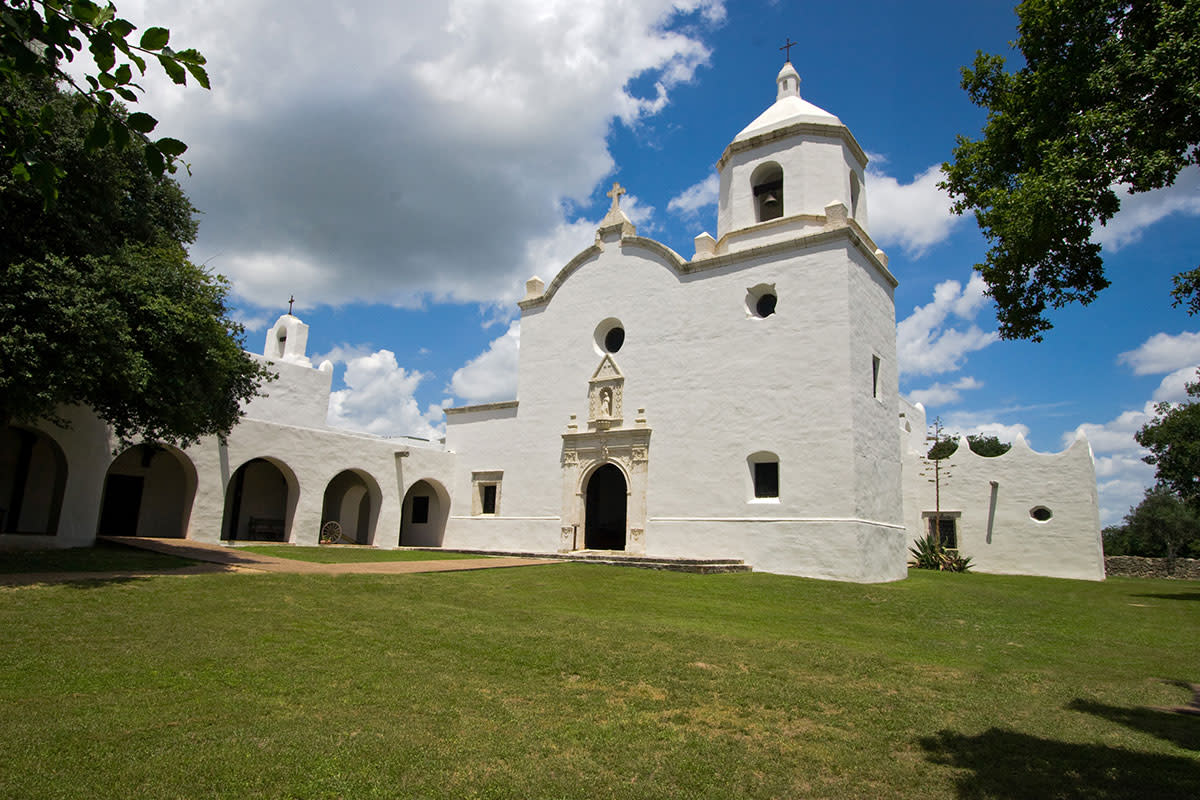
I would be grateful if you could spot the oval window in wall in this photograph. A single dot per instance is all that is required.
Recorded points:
(609, 336)
(1040, 514)
(761, 300)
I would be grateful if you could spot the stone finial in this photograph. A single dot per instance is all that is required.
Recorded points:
(835, 215)
(706, 246)
(881, 256)
(534, 287)
(615, 224)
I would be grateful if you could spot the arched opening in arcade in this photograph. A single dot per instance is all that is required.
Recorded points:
(605, 510)
(259, 502)
(148, 491)
(423, 514)
(33, 478)
(350, 508)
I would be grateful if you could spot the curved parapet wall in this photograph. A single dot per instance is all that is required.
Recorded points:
(1024, 512)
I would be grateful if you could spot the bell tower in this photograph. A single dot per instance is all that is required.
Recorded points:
(782, 171)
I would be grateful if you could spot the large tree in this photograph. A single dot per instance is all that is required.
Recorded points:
(1173, 439)
(1108, 99)
(99, 305)
(37, 37)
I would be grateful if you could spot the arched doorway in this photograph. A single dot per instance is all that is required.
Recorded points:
(352, 500)
(604, 522)
(423, 515)
(33, 477)
(257, 502)
(148, 491)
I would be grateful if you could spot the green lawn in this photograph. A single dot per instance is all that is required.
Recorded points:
(585, 681)
(103, 557)
(348, 555)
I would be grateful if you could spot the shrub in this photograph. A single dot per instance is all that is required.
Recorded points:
(929, 554)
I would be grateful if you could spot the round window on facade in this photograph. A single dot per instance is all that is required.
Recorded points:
(610, 336)
(1040, 514)
(761, 300)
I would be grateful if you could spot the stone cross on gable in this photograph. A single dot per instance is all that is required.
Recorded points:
(615, 194)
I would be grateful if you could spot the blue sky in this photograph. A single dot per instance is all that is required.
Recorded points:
(402, 167)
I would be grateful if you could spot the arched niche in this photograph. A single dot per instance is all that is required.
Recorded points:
(148, 491)
(352, 500)
(260, 502)
(767, 184)
(33, 478)
(423, 514)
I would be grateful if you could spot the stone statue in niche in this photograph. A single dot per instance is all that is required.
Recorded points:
(606, 402)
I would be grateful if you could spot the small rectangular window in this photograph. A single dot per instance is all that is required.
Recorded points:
(420, 509)
(944, 530)
(875, 377)
(766, 479)
(489, 498)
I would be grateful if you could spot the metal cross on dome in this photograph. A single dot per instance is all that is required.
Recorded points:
(615, 194)
(291, 300)
(787, 48)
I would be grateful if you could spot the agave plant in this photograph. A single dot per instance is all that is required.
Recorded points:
(929, 554)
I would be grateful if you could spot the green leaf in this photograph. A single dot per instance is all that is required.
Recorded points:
(171, 147)
(154, 160)
(139, 61)
(173, 69)
(120, 28)
(199, 74)
(155, 39)
(141, 122)
(126, 94)
(124, 74)
(106, 80)
(191, 56)
(21, 171)
(98, 136)
(85, 11)
(121, 137)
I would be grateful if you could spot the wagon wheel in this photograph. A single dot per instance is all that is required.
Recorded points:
(331, 532)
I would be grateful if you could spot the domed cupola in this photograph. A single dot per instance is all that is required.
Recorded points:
(781, 172)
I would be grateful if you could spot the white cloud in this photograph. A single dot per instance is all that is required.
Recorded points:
(379, 398)
(915, 215)
(401, 151)
(1173, 388)
(926, 344)
(940, 394)
(969, 422)
(491, 375)
(693, 199)
(1163, 352)
(1121, 475)
(1140, 211)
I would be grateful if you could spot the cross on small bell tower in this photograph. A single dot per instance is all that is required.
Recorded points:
(787, 48)
(291, 300)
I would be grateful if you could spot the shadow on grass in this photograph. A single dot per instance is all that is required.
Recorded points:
(1007, 764)
(1180, 726)
(1177, 596)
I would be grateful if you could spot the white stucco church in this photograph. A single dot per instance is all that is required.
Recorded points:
(741, 403)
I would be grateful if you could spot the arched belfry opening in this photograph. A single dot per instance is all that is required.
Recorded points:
(606, 509)
(767, 184)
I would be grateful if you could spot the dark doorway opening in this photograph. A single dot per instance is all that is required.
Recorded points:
(122, 505)
(604, 527)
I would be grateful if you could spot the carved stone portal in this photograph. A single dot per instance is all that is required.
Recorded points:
(605, 442)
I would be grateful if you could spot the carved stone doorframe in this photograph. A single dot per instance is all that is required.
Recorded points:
(584, 452)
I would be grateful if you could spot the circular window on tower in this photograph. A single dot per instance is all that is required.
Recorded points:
(1041, 514)
(761, 300)
(610, 336)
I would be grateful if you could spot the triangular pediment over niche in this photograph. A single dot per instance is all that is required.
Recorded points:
(608, 369)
